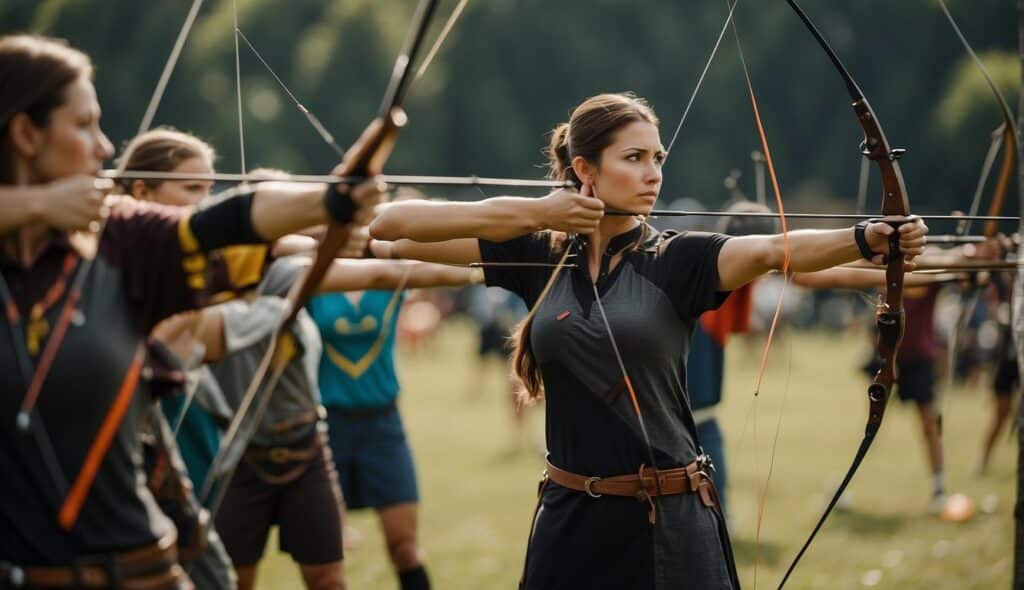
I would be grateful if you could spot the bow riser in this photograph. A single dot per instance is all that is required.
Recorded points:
(367, 157)
(877, 149)
(890, 325)
(889, 316)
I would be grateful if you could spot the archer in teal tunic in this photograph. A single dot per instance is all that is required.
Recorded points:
(359, 387)
(357, 368)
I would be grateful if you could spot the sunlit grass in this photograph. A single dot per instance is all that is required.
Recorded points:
(477, 496)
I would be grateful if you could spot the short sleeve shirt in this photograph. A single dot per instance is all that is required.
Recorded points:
(140, 276)
(919, 342)
(652, 300)
(248, 328)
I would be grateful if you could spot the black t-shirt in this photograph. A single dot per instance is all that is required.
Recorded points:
(652, 299)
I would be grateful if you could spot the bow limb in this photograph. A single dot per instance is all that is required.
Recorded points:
(786, 259)
(889, 316)
(1008, 130)
(1006, 134)
(364, 159)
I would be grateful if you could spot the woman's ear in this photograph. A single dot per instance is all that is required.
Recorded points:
(584, 170)
(140, 190)
(25, 137)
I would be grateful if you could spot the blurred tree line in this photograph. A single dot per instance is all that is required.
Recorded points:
(512, 69)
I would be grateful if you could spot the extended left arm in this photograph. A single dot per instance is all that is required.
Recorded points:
(743, 259)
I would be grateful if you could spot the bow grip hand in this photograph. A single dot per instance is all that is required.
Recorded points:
(906, 235)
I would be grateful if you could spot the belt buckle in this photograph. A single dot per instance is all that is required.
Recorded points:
(705, 463)
(107, 563)
(586, 487)
(279, 454)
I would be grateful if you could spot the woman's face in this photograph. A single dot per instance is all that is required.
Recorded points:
(629, 175)
(180, 192)
(72, 141)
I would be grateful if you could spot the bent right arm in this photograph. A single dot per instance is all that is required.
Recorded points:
(448, 232)
(497, 219)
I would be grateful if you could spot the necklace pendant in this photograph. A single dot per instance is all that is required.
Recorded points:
(35, 332)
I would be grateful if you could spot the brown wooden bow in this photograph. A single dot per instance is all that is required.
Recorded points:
(889, 315)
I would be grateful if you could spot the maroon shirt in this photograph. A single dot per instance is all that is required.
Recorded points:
(919, 343)
(140, 276)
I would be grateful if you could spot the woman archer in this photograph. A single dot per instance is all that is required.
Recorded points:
(74, 508)
(603, 519)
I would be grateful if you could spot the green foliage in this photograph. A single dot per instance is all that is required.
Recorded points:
(512, 69)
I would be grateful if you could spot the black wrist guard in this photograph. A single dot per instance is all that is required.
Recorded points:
(862, 241)
(339, 203)
(225, 221)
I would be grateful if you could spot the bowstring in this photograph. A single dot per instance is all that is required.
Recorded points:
(311, 117)
(254, 388)
(238, 87)
(597, 297)
(700, 79)
(787, 258)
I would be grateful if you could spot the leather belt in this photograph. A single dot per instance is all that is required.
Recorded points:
(293, 424)
(364, 413)
(303, 450)
(267, 462)
(153, 567)
(643, 485)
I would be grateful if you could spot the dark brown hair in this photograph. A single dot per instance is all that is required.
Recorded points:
(590, 129)
(34, 73)
(161, 150)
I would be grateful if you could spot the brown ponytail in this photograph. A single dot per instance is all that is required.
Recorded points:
(590, 129)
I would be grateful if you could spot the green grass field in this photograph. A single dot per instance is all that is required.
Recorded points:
(478, 494)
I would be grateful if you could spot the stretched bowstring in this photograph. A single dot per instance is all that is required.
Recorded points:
(597, 296)
(787, 256)
(700, 79)
(311, 117)
(238, 88)
(254, 387)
